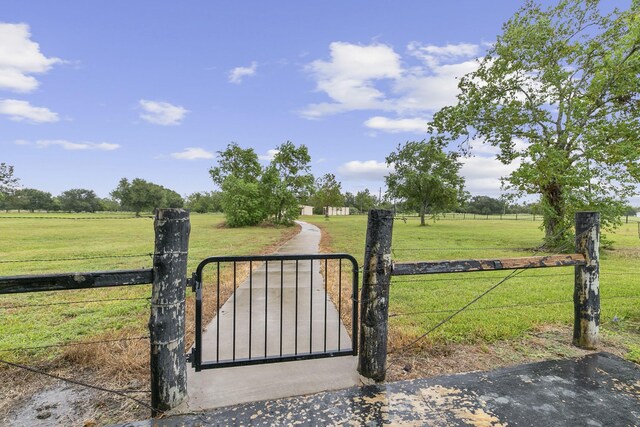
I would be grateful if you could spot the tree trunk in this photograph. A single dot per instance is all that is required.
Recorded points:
(554, 215)
(423, 210)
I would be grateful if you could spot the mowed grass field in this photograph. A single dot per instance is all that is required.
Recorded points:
(529, 300)
(47, 243)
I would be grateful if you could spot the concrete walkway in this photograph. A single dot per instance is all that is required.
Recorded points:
(270, 310)
(595, 390)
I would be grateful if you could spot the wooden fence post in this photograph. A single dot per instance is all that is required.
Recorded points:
(586, 295)
(374, 300)
(167, 321)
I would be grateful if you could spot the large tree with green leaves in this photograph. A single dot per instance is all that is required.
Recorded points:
(558, 94)
(364, 200)
(32, 200)
(286, 181)
(79, 200)
(425, 177)
(140, 195)
(328, 193)
(238, 174)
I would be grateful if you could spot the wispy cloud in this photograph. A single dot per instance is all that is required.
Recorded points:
(237, 74)
(18, 111)
(193, 153)
(162, 113)
(19, 58)
(69, 145)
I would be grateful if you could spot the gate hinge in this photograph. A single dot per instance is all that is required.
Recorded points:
(193, 282)
(189, 356)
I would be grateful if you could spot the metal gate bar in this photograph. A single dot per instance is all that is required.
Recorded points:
(239, 355)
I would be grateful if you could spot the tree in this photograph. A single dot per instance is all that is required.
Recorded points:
(238, 175)
(140, 195)
(109, 205)
(32, 199)
(485, 205)
(558, 93)
(365, 201)
(328, 193)
(426, 177)
(205, 202)
(172, 199)
(79, 200)
(8, 184)
(286, 181)
(238, 162)
(242, 202)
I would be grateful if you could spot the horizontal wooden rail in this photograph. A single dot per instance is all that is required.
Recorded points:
(66, 281)
(467, 265)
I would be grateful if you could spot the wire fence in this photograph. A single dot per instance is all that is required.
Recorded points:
(509, 306)
(72, 344)
(79, 258)
(50, 304)
(465, 307)
(499, 217)
(79, 218)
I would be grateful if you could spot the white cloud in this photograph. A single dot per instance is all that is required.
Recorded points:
(162, 113)
(18, 111)
(20, 57)
(193, 153)
(376, 77)
(270, 155)
(348, 77)
(237, 74)
(482, 174)
(71, 146)
(397, 125)
(369, 170)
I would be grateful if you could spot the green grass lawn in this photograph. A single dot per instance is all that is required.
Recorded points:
(36, 323)
(534, 297)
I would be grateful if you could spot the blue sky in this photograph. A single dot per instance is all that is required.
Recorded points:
(91, 92)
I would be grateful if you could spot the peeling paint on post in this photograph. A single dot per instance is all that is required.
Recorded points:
(375, 295)
(167, 321)
(586, 295)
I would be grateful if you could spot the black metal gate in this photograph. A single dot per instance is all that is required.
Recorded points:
(274, 308)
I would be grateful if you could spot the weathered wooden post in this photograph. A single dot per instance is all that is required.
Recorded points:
(586, 295)
(374, 301)
(167, 321)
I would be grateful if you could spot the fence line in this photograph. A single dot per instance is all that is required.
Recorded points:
(372, 362)
(78, 258)
(501, 217)
(72, 344)
(11, 307)
(501, 307)
(493, 277)
(80, 218)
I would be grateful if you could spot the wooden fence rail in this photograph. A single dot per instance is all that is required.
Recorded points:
(70, 281)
